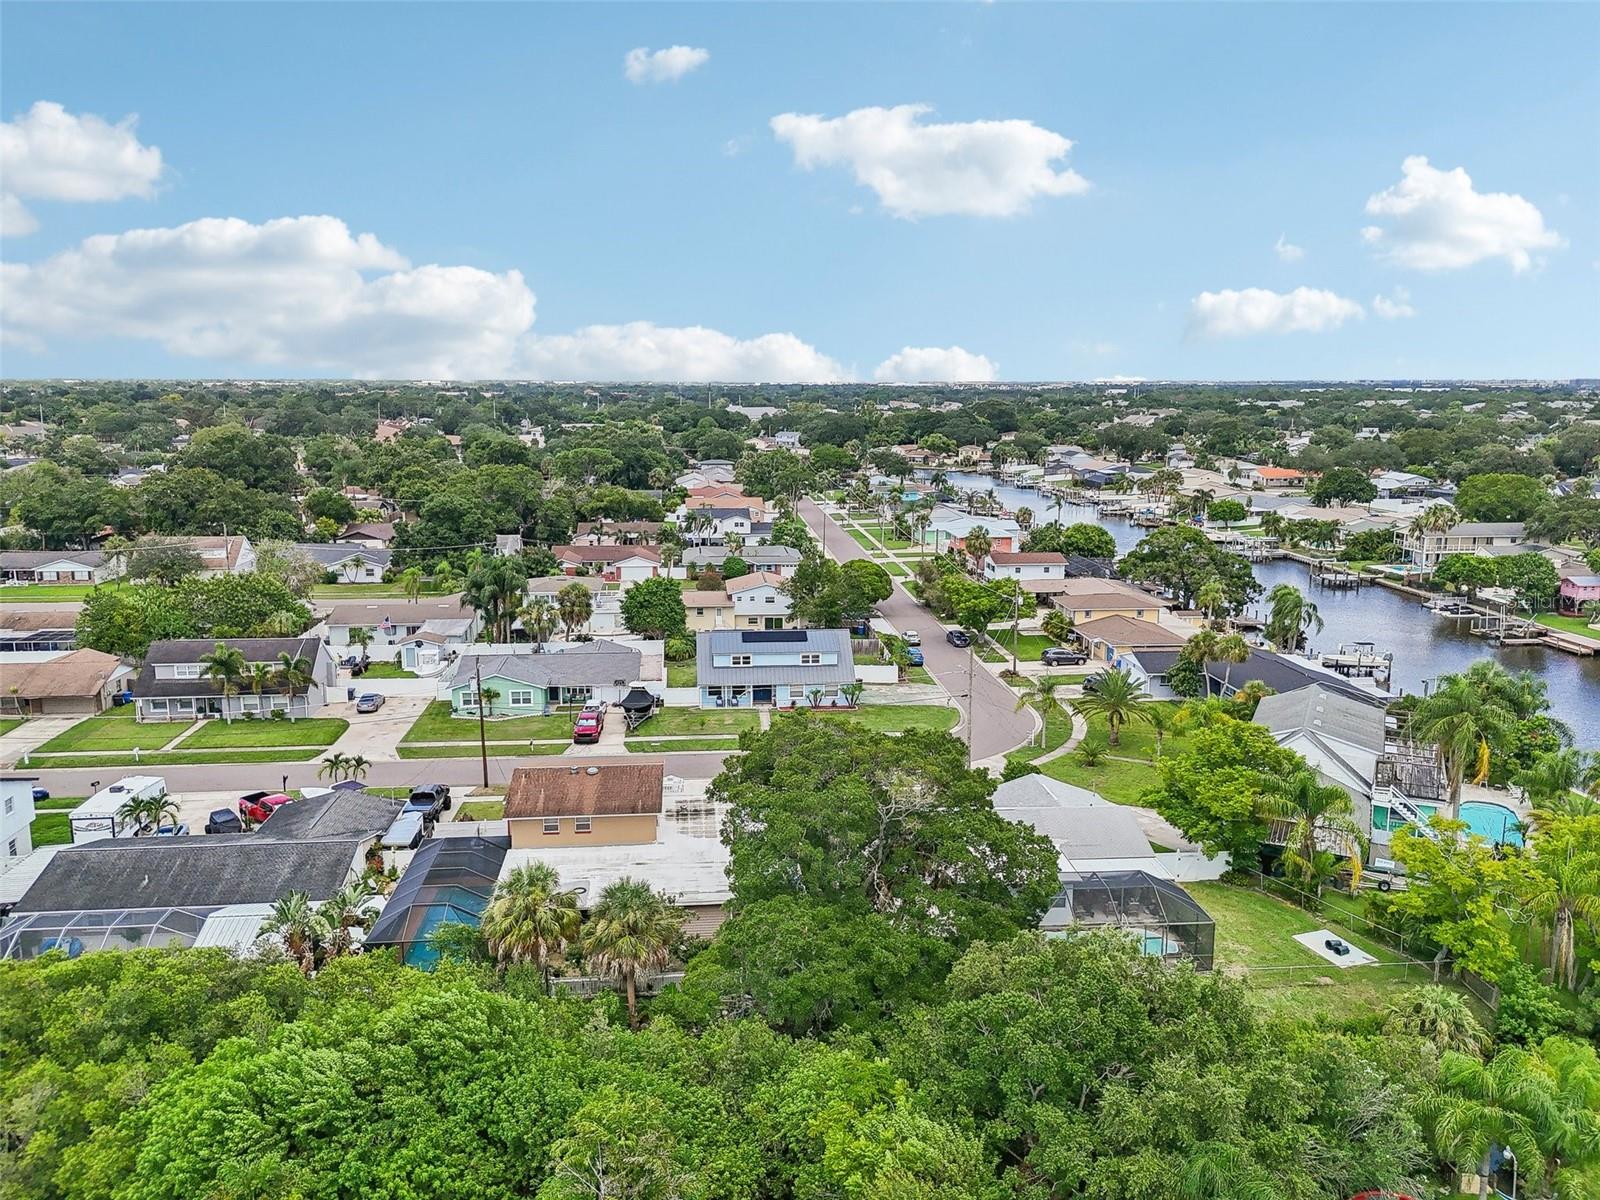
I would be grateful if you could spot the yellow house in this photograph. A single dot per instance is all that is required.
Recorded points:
(612, 805)
(708, 610)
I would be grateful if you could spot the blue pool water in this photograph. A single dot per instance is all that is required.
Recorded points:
(1492, 822)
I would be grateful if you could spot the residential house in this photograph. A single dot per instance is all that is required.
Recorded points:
(1109, 639)
(787, 439)
(37, 632)
(616, 564)
(1279, 672)
(1089, 832)
(78, 683)
(507, 545)
(219, 555)
(526, 683)
(1271, 477)
(58, 566)
(714, 525)
(1088, 598)
(346, 563)
(1393, 485)
(617, 533)
(759, 601)
(376, 535)
(605, 601)
(1577, 592)
(16, 818)
(770, 559)
(173, 687)
(1424, 548)
(741, 668)
(420, 635)
(949, 528)
(707, 610)
(570, 806)
(1025, 565)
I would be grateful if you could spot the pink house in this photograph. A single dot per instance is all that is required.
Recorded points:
(1576, 591)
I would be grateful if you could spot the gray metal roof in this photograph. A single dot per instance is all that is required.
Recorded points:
(740, 641)
(191, 870)
(1487, 529)
(1040, 791)
(754, 555)
(586, 664)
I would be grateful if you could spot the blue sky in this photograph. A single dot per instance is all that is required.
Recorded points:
(665, 229)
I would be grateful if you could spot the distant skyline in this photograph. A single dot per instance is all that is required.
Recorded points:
(826, 193)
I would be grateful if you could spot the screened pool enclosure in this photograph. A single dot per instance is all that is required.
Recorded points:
(1167, 922)
(450, 879)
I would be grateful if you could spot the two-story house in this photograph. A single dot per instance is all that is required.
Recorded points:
(949, 528)
(615, 564)
(1024, 565)
(786, 668)
(419, 634)
(16, 819)
(1424, 547)
(705, 610)
(617, 805)
(759, 601)
(1577, 592)
(376, 535)
(174, 686)
(605, 601)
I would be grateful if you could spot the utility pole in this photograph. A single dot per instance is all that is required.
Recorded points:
(972, 707)
(483, 745)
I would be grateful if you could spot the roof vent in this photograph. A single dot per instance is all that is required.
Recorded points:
(592, 771)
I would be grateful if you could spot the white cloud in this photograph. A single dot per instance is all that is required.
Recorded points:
(307, 293)
(935, 364)
(1287, 251)
(1437, 222)
(1394, 306)
(642, 350)
(48, 153)
(1231, 313)
(977, 168)
(642, 65)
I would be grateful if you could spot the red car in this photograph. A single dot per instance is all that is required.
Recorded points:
(258, 806)
(590, 722)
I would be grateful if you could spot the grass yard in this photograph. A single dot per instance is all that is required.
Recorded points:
(437, 725)
(862, 540)
(470, 750)
(58, 803)
(887, 537)
(1058, 728)
(671, 722)
(1256, 930)
(1029, 645)
(1118, 782)
(175, 758)
(28, 593)
(990, 653)
(480, 810)
(896, 570)
(681, 674)
(310, 731)
(50, 829)
(386, 670)
(1578, 625)
(119, 732)
(682, 746)
(896, 718)
(1137, 740)
(7, 724)
(919, 675)
(352, 591)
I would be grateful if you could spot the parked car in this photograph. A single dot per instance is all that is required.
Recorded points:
(914, 657)
(40, 793)
(258, 806)
(224, 820)
(589, 725)
(179, 830)
(369, 703)
(1058, 656)
(431, 800)
(912, 637)
(958, 637)
(1092, 684)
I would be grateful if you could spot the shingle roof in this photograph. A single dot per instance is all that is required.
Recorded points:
(607, 554)
(695, 598)
(754, 580)
(338, 814)
(1321, 710)
(1127, 631)
(372, 613)
(194, 870)
(190, 650)
(79, 673)
(1028, 558)
(27, 560)
(1487, 529)
(608, 791)
(592, 664)
(333, 553)
(754, 555)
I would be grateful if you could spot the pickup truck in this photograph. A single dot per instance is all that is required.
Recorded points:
(431, 800)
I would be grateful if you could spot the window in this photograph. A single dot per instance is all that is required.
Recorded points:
(552, 824)
(469, 699)
(740, 660)
(11, 848)
(772, 600)
(583, 825)
(811, 660)
(249, 703)
(521, 698)
(10, 804)
(186, 671)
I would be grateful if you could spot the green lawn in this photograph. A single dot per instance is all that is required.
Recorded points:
(50, 829)
(1058, 728)
(481, 810)
(681, 674)
(58, 803)
(7, 724)
(1256, 930)
(471, 750)
(895, 570)
(675, 721)
(311, 731)
(896, 718)
(887, 537)
(1029, 645)
(862, 540)
(919, 675)
(388, 591)
(118, 732)
(683, 746)
(1578, 625)
(1137, 740)
(437, 725)
(28, 593)
(175, 758)
(386, 670)
(1118, 781)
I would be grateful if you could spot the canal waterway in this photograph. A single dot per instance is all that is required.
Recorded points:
(1424, 645)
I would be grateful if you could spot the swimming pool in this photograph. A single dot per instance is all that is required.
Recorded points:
(1492, 822)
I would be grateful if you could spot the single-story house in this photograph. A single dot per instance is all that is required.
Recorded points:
(1108, 639)
(43, 631)
(422, 634)
(1090, 833)
(173, 687)
(759, 601)
(616, 564)
(57, 566)
(349, 563)
(616, 805)
(774, 560)
(79, 683)
(1025, 566)
(529, 684)
(707, 610)
(616, 533)
(741, 668)
(1271, 477)
(376, 535)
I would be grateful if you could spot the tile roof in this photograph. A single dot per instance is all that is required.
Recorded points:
(623, 789)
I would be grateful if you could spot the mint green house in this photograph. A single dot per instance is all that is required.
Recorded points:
(528, 684)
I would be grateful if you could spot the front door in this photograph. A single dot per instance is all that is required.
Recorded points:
(763, 695)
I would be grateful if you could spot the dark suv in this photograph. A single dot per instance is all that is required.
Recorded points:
(958, 637)
(1059, 656)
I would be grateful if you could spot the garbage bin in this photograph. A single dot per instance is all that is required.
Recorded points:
(349, 693)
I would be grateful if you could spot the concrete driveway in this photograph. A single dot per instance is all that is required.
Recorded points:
(990, 714)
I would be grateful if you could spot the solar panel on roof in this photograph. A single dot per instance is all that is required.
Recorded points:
(773, 635)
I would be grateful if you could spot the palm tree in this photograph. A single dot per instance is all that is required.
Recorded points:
(1440, 1016)
(1563, 891)
(1231, 651)
(333, 767)
(1212, 599)
(1117, 698)
(494, 591)
(1553, 777)
(978, 544)
(1319, 812)
(259, 676)
(852, 692)
(1290, 617)
(540, 619)
(295, 675)
(149, 813)
(445, 576)
(1040, 692)
(575, 606)
(225, 667)
(345, 910)
(1436, 518)
(486, 698)
(1247, 696)
(1272, 524)
(411, 582)
(295, 922)
(356, 766)
(1024, 518)
(530, 918)
(631, 931)
(1162, 720)
(361, 636)
(1467, 725)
